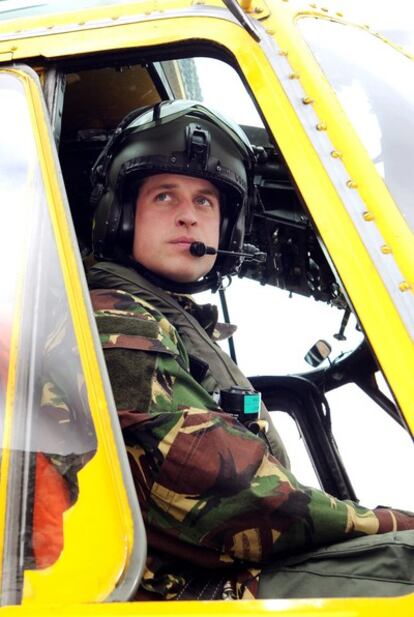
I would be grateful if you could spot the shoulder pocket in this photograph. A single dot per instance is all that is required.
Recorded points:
(132, 346)
(122, 332)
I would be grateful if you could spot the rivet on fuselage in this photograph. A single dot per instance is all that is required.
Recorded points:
(283, 53)
(321, 126)
(307, 100)
(335, 154)
(368, 216)
(386, 249)
(351, 184)
(404, 286)
(294, 76)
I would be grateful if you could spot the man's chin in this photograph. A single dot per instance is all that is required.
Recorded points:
(181, 276)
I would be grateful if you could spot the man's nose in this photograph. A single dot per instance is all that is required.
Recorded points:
(186, 213)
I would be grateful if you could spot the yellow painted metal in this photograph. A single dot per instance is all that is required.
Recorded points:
(357, 271)
(41, 35)
(386, 332)
(256, 8)
(91, 16)
(96, 546)
(98, 532)
(82, 15)
(373, 607)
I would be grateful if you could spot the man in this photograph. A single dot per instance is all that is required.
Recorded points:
(218, 498)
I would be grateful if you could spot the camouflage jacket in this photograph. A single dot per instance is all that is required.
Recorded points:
(214, 499)
(198, 330)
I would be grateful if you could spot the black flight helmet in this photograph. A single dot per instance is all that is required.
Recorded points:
(178, 137)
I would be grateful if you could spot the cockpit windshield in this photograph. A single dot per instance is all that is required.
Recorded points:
(368, 73)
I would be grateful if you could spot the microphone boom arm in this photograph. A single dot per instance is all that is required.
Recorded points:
(199, 249)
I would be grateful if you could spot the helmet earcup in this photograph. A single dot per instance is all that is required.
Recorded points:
(106, 224)
(125, 234)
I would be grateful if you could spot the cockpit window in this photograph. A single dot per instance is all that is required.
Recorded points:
(361, 428)
(48, 434)
(59, 455)
(367, 73)
(198, 75)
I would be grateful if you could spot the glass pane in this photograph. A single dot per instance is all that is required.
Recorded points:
(197, 77)
(393, 20)
(48, 431)
(377, 452)
(300, 462)
(281, 348)
(375, 84)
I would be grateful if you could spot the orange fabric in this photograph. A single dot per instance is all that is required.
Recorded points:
(50, 501)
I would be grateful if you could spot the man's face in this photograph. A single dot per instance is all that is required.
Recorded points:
(172, 212)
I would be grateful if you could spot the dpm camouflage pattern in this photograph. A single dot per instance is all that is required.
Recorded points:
(214, 499)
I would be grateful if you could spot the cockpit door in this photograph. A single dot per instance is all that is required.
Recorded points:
(66, 511)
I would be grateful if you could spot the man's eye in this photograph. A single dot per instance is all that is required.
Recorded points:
(203, 201)
(162, 196)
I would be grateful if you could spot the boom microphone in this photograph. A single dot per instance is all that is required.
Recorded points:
(251, 253)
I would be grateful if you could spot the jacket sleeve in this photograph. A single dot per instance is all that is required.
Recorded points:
(202, 477)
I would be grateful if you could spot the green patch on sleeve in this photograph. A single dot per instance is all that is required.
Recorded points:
(110, 324)
(131, 373)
